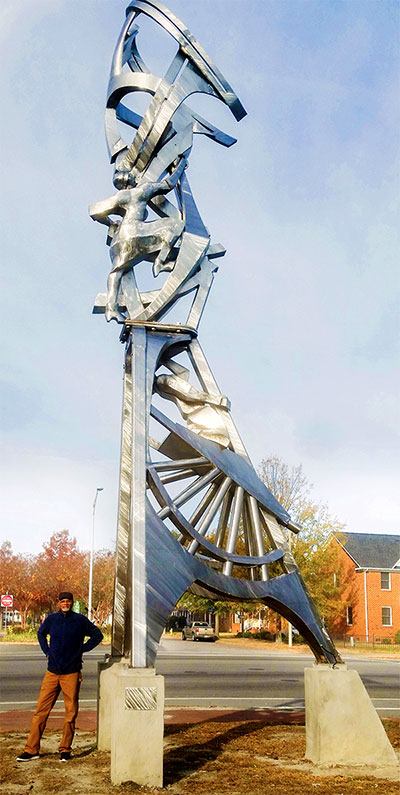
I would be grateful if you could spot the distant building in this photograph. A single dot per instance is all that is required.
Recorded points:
(11, 617)
(370, 573)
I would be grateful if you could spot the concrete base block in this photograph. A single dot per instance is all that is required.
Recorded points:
(342, 726)
(137, 726)
(106, 671)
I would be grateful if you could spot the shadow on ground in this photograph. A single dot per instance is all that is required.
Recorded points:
(183, 760)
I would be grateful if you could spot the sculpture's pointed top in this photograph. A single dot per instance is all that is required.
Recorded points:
(191, 48)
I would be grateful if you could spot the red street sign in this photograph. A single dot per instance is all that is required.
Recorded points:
(7, 600)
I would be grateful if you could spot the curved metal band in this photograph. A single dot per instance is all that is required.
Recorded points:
(230, 463)
(192, 49)
(189, 532)
(118, 87)
(134, 81)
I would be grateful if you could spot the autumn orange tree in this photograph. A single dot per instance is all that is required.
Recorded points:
(61, 566)
(6, 567)
(16, 577)
(103, 584)
(35, 581)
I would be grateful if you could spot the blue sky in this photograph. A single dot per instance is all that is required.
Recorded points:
(302, 324)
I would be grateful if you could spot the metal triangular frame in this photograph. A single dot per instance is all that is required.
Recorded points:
(168, 550)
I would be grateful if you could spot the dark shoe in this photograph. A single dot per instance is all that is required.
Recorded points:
(25, 757)
(65, 756)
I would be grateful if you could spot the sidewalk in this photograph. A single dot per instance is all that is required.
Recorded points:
(16, 720)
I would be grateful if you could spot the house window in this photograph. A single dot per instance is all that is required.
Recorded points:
(386, 616)
(349, 616)
(385, 580)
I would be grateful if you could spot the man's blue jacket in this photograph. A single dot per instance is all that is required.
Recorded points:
(67, 634)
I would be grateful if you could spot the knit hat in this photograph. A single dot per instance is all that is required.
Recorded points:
(65, 595)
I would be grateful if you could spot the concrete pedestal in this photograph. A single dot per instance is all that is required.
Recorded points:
(106, 671)
(137, 725)
(342, 726)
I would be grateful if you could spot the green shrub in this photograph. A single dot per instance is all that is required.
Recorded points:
(16, 629)
(176, 623)
(296, 638)
(397, 637)
(18, 635)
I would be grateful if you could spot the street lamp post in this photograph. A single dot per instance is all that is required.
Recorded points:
(91, 556)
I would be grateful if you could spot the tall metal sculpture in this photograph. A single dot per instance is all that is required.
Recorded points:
(192, 511)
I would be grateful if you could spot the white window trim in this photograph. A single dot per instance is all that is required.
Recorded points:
(387, 607)
(390, 581)
(349, 623)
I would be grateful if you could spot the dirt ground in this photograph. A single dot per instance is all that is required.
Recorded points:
(212, 758)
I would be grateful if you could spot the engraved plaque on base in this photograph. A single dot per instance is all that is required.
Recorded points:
(140, 698)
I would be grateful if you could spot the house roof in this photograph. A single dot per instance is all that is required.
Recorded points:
(372, 550)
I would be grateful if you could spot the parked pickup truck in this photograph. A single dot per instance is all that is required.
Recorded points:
(199, 630)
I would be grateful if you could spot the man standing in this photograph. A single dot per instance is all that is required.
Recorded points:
(67, 632)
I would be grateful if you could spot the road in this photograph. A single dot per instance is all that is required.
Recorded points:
(205, 674)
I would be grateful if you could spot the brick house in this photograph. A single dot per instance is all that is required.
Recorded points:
(370, 572)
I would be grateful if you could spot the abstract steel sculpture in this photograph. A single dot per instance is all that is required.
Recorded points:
(192, 511)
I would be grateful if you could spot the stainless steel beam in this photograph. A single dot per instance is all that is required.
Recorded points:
(234, 528)
(121, 606)
(183, 463)
(191, 491)
(182, 474)
(255, 520)
(138, 497)
(210, 513)
(224, 519)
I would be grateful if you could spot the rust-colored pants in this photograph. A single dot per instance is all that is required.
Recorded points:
(51, 686)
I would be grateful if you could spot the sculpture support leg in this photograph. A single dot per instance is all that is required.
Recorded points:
(105, 696)
(342, 725)
(122, 580)
(138, 497)
(137, 726)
